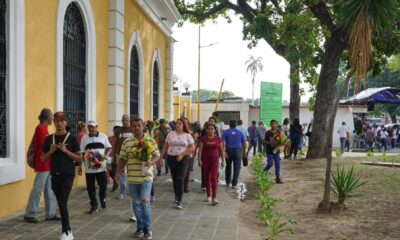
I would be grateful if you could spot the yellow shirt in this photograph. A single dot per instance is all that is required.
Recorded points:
(129, 153)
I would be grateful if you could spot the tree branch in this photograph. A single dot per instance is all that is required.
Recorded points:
(321, 12)
(203, 16)
(278, 8)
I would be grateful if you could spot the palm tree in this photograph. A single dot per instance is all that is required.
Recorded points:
(253, 66)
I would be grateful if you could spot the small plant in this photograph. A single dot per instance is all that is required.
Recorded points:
(345, 183)
(267, 211)
(385, 157)
(370, 153)
(339, 153)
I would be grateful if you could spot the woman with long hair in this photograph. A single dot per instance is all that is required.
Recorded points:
(179, 144)
(296, 132)
(82, 130)
(210, 148)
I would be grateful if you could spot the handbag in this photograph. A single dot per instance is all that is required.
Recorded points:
(245, 160)
(30, 155)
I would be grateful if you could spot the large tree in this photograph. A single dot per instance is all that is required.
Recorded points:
(289, 29)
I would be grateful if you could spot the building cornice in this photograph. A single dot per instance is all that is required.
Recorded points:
(162, 12)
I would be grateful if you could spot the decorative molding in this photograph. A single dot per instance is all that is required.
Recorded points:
(87, 14)
(159, 9)
(135, 40)
(157, 57)
(12, 168)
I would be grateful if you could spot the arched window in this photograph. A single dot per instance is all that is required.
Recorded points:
(156, 94)
(134, 84)
(3, 79)
(74, 66)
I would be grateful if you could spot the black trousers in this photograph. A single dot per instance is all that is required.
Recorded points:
(101, 179)
(62, 185)
(178, 173)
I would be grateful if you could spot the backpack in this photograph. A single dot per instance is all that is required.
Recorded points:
(30, 155)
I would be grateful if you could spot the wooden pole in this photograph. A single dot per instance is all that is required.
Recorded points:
(219, 95)
(198, 81)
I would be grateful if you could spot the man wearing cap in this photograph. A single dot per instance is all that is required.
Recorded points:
(62, 149)
(95, 148)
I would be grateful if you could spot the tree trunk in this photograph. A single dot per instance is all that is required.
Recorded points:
(252, 93)
(325, 204)
(295, 99)
(394, 118)
(324, 118)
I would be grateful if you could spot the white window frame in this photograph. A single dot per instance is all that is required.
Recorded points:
(87, 14)
(135, 40)
(157, 57)
(12, 168)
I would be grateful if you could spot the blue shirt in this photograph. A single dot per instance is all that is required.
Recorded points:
(233, 138)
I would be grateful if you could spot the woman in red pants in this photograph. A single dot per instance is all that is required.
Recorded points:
(210, 149)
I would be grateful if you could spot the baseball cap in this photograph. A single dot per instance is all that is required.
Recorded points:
(92, 123)
(60, 115)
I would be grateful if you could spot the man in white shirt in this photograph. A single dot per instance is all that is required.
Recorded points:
(96, 149)
(342, 135)
(384, 136)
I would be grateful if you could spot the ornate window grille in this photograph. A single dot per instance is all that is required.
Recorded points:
(74, 67)
(134, 84)
(156, 80)
(3, 79)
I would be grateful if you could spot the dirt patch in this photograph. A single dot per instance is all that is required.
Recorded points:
(373, 215)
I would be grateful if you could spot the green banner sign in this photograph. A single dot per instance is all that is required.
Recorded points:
(271, 102)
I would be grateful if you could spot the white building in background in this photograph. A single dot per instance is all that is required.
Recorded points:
(240, 110)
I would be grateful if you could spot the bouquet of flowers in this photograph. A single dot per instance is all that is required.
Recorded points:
(96, 159)
(279, 140)
(142, 153)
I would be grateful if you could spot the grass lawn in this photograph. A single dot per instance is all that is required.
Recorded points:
(373, 215)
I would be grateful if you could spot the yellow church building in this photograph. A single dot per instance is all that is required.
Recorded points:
(92, 59)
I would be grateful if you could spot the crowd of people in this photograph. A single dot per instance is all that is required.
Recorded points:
(377, 137)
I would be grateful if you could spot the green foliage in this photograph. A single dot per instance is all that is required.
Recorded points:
(370, 153)
(267, 211)
(254, 65)
(338, 153)
(385, 157)
(394, 63)
(345, 183)
(206, 94)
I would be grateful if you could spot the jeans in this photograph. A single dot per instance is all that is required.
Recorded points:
(122, 184)
(235, 158)
(342, 143)
(253, 144)
(294, 144)
(140, 194)
(178, 173)
(42, 183)
(384, 143)
(271, 159)
(62, 185)
(101, 179)
(371, 146)
(187, 176)
(260, 146)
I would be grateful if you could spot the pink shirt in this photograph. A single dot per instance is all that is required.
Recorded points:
(178, 143)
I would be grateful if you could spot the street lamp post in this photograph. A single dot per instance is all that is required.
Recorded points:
(198, 73)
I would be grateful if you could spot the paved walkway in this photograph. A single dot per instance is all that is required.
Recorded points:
(196, 221)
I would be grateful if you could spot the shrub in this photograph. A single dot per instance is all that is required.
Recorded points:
(370, 153)
(345, 183)
(339, 153)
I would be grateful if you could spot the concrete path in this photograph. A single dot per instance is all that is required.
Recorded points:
(197, 221)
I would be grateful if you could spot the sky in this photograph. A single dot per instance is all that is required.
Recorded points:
(226, 59)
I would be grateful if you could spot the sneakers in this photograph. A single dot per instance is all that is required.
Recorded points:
(138, 234)
(31, 220)
(215, 202)
(207, 200)
(147, 235)
(67, 236)
(121, 196)
(93, 210)
(55, 218)
(133, 219)
(179, 206)
(103, 204)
